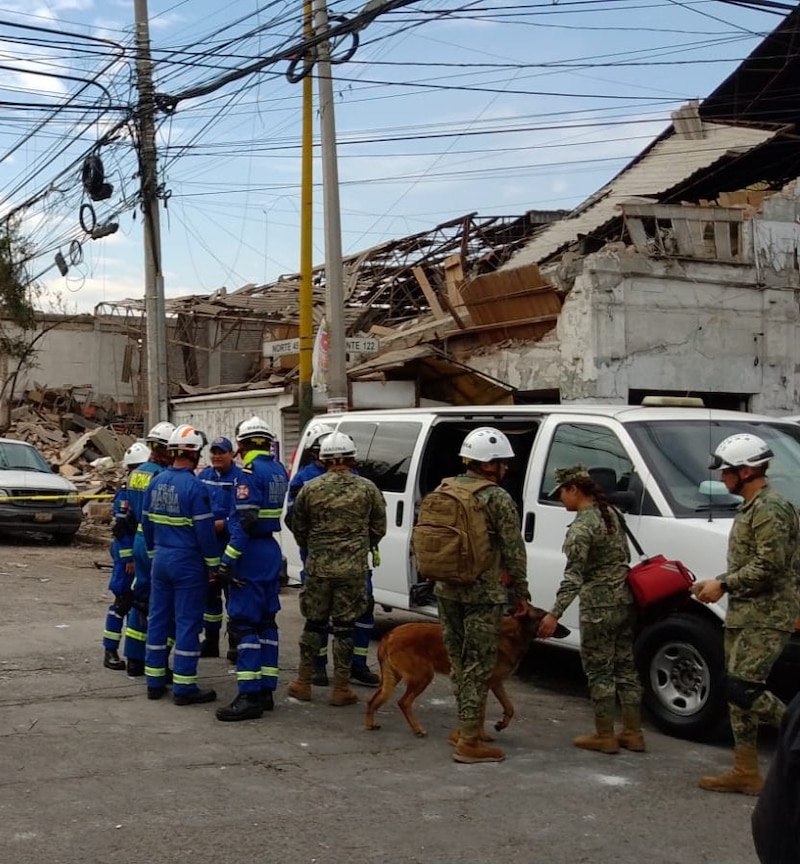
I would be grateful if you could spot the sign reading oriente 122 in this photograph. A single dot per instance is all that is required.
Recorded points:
(282, 347)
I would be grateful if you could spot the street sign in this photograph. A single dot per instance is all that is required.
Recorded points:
(355, 345)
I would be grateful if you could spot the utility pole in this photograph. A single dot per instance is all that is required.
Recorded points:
(334, 276)
(155, 313)
(306, 331)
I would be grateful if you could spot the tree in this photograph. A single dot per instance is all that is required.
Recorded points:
(20, 330)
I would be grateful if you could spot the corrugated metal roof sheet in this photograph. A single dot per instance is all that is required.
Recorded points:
(668, 163)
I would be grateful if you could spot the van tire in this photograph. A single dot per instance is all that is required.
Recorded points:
(682, 665)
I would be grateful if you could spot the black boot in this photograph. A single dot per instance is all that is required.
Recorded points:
(362, 674)
(246, 706)
(267, 700)
(135, 668)
(319, 678)
(209, 647)
(156, 692)
(194, 697)
(111, 660)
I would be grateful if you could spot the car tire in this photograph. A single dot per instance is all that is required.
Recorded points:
(682, 664)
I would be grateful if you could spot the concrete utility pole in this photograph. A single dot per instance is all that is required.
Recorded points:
(334, 276)
(155, 313)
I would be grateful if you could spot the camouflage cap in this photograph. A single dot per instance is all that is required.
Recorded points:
(572, 474)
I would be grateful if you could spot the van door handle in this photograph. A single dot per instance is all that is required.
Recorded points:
(398, 517)
(530, 521)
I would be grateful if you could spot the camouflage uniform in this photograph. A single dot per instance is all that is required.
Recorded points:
(471, 614)
(337, 518)
(596, 572)
(763, 606)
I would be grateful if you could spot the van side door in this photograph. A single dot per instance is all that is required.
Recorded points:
(388, 452)
(565, 441)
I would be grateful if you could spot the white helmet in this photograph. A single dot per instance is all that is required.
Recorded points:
(186, 437)
(137, 454)
(337, 445)
(160, 433)
(485, 444)
(739, 450)
(314, 433)
(255, 428)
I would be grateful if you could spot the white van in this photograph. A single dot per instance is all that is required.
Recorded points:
(652, 462)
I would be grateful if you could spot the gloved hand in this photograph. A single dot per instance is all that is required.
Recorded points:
(123, 603)
(376, 557)
(227, 575)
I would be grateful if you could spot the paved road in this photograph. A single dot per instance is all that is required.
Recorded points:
(93, 772)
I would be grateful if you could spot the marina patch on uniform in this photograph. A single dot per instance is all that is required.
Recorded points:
(242, 491)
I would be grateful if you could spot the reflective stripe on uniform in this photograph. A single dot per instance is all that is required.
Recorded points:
(183, 679)
(155, 672)
(136, 634)
(212, 562)
(179, 653)
(213, 619)
(233, 554)
(248, 676)
(173, 521)
(203, 516)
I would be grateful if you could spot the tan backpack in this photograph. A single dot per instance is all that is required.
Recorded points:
(451, 538)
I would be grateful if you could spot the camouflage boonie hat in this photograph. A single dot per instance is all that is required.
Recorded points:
(573, 474)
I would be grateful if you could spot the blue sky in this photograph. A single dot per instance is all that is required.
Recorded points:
(446, 108)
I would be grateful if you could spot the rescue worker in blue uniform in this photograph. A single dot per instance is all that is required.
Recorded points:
(360, 673)
(123, 530)
(220, 478)
(178, 528)
(138, 481)
(251, 565)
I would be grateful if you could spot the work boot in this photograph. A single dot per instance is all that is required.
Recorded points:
(156, 692)
(360, 673)
(194, 697)
(631, 737)
(209, 647)
(300, 688)
(320, 677)
(471, 750)
(743, 778)
(111, 660)
(135, 668)
(603, 741)
(341, 694)
(246, 706)
(267, 700)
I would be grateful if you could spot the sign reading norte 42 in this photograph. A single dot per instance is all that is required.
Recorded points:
(364, 345)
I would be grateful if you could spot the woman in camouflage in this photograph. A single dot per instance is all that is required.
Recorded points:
(596, 572)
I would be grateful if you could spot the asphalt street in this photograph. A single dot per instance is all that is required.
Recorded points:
(94, 772)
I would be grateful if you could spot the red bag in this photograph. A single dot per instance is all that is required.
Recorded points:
(657, 578)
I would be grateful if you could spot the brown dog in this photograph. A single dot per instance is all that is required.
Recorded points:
(413, 653)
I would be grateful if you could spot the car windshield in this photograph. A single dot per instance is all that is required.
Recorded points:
(21, 457)
(678, 453)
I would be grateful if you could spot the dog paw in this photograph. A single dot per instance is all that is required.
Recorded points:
(371, 727)
(420, 733)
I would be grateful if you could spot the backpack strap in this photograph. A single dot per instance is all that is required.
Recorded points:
(631, 536)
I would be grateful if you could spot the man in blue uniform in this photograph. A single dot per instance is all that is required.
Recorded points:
(178, 528)
(360, 673)
(138, 481)
(123, 530)
(251, 565)
(220, 478)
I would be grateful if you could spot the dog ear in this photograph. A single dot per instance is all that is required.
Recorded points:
(535, 616)
(561, 631)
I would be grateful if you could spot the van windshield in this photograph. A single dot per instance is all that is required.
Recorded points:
(677, 453)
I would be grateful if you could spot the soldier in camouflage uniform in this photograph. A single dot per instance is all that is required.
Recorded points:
(471, 614)
(336, 520)
(597, 569)
(763, 605)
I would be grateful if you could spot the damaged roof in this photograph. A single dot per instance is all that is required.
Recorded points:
(667, 163)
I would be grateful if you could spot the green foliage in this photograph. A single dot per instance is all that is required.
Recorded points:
(16, 292)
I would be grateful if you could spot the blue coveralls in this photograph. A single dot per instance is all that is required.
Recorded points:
(220, 489)
(178, 527)
(365, 624)
(121, 555)
(254, 556)
(136, 630)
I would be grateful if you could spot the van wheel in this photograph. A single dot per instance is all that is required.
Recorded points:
(682, 665)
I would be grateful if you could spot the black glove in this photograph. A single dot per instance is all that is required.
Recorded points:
(123, 603)
(227, 576)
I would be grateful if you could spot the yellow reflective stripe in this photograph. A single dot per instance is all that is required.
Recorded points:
(126, 553)
(360, 652)
(212, 619)
(232, 553)
(112, 635)
(275, 513)
(183, 679)
(269, 671)
(139, 529)
(151, 553)
(170, 641)
(212, 562)
(154, 672)
(248, 676)
(174, 521)
(136, 634)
